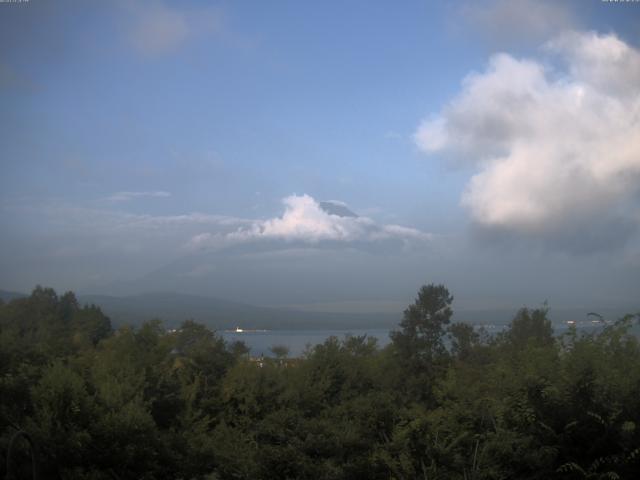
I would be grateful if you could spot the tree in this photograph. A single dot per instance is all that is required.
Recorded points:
(423, 325)
(280, 351)
(463, 339)
(419, 346)
(531, 326)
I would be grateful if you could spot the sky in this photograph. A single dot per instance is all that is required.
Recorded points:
(188, 146)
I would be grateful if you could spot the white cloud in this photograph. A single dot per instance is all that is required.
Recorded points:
(126, 196)
(159, 29)
(304, 220)
(556, 152)
(603, 61)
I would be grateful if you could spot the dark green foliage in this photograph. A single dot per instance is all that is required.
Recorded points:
(530, 327)
(442, 401)
(423, 325)
(419, 346)
(464, 340)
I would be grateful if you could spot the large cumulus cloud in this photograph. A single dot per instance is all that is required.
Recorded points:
(305, 220)
(555, 143)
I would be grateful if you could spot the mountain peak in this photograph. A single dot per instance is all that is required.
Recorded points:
(339, 209)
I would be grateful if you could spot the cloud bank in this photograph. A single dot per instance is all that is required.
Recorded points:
(306, 220)
(556, 150)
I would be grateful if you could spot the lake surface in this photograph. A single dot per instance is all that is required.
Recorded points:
(260, 342)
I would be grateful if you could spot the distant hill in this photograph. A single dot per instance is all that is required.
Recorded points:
(7, 296)
(173, 308)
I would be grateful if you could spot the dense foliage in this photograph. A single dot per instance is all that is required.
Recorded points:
(442, 401)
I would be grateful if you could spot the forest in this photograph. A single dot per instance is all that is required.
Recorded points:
(83, 400)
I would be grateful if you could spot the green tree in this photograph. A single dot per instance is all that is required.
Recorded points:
(423, 324)
(531, 326)
(463, 340)
(419, 346)
(280, 351)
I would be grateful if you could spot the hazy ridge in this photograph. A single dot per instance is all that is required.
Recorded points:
(220, 314)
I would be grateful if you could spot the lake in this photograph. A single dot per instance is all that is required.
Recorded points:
(261, 341)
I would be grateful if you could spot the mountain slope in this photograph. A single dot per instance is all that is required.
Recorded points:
(7, 296)
(173, 308)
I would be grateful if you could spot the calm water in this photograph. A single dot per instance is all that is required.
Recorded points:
(260, 342)
(297, 340)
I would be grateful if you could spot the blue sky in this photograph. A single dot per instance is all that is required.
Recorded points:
(131, 131)
(309, 99)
